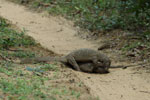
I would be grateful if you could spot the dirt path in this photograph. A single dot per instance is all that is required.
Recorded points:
(58, 35)
(53, 33)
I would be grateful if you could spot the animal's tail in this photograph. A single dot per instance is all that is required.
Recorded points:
(124, 67)
(42, 59)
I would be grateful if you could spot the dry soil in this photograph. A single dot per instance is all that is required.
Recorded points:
(58, 35)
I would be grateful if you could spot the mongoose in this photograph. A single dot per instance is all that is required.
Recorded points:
(89, 68)
(76, 56)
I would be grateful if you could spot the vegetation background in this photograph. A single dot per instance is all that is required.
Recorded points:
(41, 81)
(97, 16)
(104, 17)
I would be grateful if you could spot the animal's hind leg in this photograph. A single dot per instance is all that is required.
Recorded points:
(72, 61)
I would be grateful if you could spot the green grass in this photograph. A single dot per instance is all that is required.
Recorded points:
(23, 54)
(100, 15)
(12, 38)
(18, 54)
(21, 85)
(41, 68)
(22, 89)
(27, 82)
(9, 38)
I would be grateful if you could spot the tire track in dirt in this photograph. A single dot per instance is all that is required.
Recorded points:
(58, 35)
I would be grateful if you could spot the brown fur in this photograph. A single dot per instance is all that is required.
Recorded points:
(73, 58)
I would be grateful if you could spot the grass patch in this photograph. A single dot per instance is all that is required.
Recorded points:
(100, 15)
(18, 54)
(36, 81)
(11, 38)
(21, 89)
(137, 49)
(19, 84)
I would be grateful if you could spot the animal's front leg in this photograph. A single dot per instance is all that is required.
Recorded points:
(73, 62)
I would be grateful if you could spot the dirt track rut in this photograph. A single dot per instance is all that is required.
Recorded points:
(57, 34)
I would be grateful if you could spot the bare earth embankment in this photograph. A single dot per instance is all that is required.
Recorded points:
(57, 34)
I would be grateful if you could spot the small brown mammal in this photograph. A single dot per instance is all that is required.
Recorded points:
(76, 56)
(89, 68)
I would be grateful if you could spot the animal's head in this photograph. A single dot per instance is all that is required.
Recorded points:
(101, 70)
(104, 61)
(107, 64)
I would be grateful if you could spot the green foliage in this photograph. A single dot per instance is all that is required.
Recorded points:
(18, 54)
(23, 54)
(42, 68)
(21, 89)
(140, 5)
(11, 38)
(138, 47)
(20, 83)
(4, 70)
(102, 15)
(3, 23)
(65, 91)
(76, 94)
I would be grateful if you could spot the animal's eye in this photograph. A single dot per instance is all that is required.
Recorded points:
(98, 62)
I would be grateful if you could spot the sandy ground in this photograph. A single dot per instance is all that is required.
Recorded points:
(58, 35)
